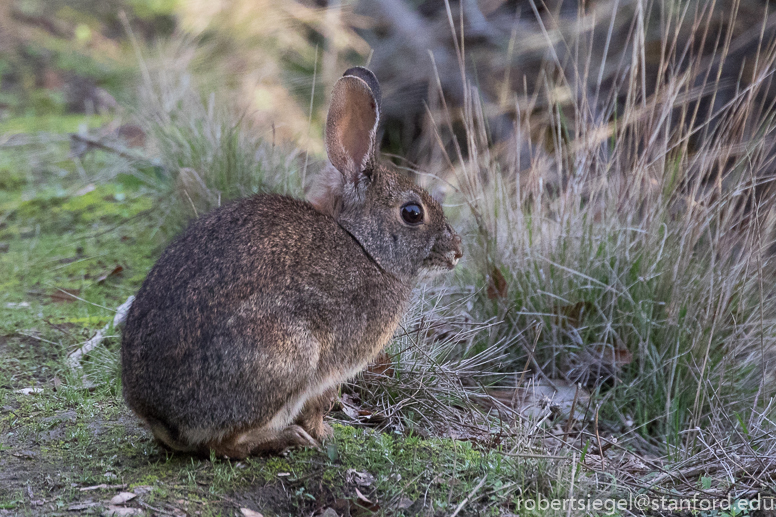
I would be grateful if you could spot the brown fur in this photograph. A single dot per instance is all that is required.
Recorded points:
(247, 323)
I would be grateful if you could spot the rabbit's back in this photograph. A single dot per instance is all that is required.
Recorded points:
(255, 303)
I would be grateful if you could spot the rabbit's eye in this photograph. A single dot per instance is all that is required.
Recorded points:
(412, 213)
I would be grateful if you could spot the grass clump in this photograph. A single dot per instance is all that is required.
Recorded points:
(631, 255)
(208, 152)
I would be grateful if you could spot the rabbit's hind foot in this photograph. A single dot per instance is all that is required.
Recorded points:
(263, 442)
(164, 437)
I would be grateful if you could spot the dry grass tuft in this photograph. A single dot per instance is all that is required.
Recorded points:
(207, 151)
(633, 254)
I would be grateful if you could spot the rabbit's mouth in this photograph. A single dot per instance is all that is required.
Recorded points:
(437, 261)
(445, 254)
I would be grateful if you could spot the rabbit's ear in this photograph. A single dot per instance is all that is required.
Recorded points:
(351, 125)
(369, 78)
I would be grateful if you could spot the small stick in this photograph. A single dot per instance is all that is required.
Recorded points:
(157, 510)
(601, 450)
(536, 456)
(468, 497)
(573, 476)
(74, 359)
(94, 142)
(571, 415)
(101, 487)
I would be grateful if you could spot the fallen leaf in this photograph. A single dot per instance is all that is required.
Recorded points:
(622, 357)
(573, 315)
(536, 399)
(349, 407)
(381, 366)
(351, 398)
(122, 498)
(56, 383)
(342, 506)
(366, 503)
(29, 391)
(247, 512)
(65, 295)
(132, 134)
(635, 465)
(362, 497)
(359, 478)
(116, 271)
(404, 503)
(329, 512)
(497, 284)
(618, 355)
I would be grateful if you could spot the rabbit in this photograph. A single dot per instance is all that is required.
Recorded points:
(242, 331)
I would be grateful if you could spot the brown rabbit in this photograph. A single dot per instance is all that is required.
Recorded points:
(251, 318)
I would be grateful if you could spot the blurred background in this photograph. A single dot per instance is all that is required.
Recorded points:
(278, 60)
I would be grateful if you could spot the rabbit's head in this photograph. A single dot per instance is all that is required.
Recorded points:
(396, 222)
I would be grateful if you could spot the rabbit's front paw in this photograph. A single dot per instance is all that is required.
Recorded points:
(314, 425)
(297, 436)
(323, 432)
